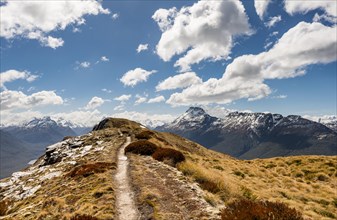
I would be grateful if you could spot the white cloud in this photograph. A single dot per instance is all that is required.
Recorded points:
(85, 64)
(133, 77)
(12, 75)
(119, 107)
(115, 16)
(325, 17)
(18, 100)
(123, 98)
(321, 118)
(179, 81)
(36, 19)
(261, 7)
(293, 7)
(157, 99)
(106, 90)
(150, 120)
(94, 103)
(9, 117)
(30, 89)
(76, 30)
(142, 47)
(83, 118)
(273, 20)
(52, 42)
(267, 45)
(301, 46)
(220, 111)
(104, 59)
(204, 31)
(140, 99)
(279, 97)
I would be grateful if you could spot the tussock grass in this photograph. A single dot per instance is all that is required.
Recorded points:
(259, 210)
(83, 217)
(208, 181)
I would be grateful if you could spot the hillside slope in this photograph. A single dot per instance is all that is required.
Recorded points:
(14, 154)
(76, 177)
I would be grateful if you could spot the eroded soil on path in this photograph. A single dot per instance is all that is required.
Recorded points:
(162, 192)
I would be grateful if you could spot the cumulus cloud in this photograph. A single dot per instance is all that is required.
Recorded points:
(119, 107)
(204, 31)
(142, 47)
(157, 99)
(150, 120)
(104, 59)
(321, 118)
(36, 19)
(179, 81)
(133, 77)
(85, 64)
(9, 117)
(18, 100)
(301, 46)
(273, 20)
(106, 90)
(293, 7)
(83, 118)
(261, 7)
(94, 103)
(140, 99)
(115, 16)
(12, 75)
(123, 98)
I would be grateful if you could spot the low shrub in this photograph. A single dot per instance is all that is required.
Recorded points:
(322, 177)
(168, 154)
(86, 170)
(142, 147)
(83, 217)
(259, 210)
(144, 135)
(239, 173)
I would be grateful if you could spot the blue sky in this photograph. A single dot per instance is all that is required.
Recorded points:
(82, 63)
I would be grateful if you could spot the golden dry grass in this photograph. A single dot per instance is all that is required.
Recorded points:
(307, 183)
(86, 188)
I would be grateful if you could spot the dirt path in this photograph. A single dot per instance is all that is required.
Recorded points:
(164, 193)
(125, 204)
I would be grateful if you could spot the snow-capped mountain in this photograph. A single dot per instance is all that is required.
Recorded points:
(253, 135)
(31, 138)
(40, 131)
(328, 120)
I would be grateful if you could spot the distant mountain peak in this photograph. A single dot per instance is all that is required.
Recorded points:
(196, 111)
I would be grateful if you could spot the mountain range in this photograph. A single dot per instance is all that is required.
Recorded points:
(25, 142)
(255, 135)
(240, 134)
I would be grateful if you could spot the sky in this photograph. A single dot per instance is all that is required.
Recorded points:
(151, 60)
